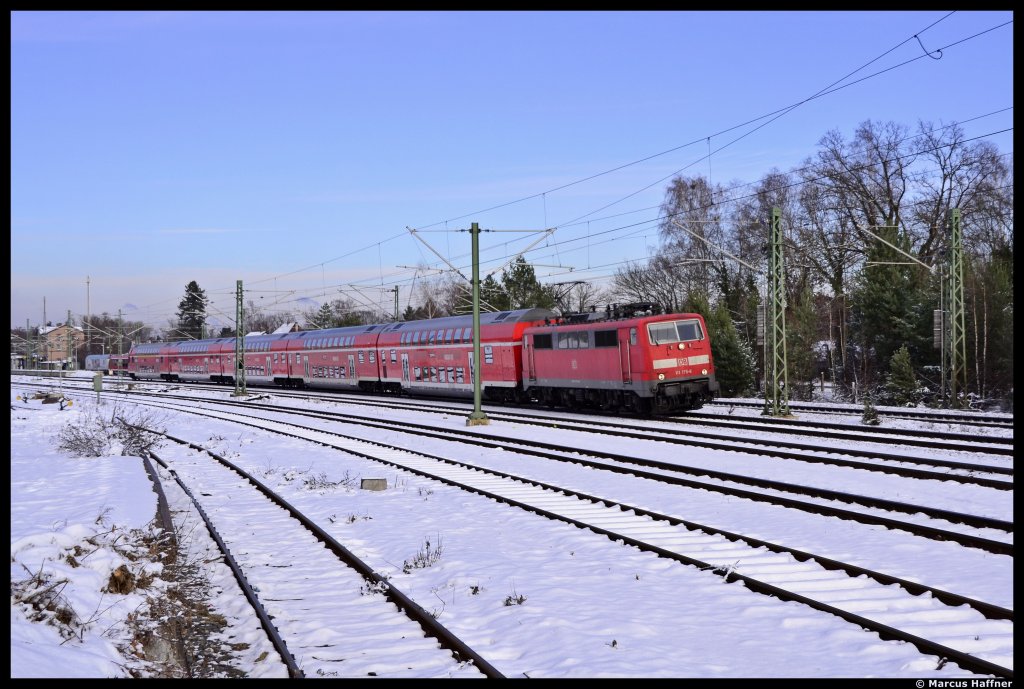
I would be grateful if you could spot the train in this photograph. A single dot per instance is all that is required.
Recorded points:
(632, 358)
(113, 364)
(97, 362)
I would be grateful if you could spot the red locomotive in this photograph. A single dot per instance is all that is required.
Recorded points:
(628, 358)
(640, 361)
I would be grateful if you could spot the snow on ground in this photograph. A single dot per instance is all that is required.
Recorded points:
(58, 504)
(589, 608)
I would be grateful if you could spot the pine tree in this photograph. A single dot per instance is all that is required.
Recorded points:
(324, 318)
(801, 336)
(493, 294)
(521, 288)
(192, 312)
(870, 417)
(891, 306)
(902, 384)
(732, 355)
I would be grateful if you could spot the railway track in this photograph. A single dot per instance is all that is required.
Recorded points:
(937, 622)
(834, 439)
(327, 612)
(922, 520)
(976, 419)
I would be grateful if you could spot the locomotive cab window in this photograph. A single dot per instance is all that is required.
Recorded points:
(674, 331)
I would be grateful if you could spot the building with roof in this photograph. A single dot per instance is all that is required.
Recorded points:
(60, 346)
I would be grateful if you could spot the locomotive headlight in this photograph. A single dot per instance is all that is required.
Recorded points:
(661, 376)
(703, 371)
(682, 346)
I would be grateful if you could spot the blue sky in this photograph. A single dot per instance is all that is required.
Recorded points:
(292, 150)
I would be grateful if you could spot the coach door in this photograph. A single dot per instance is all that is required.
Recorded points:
(405, 368)
(270, 371)
(352, 367)
(625, 363)
(305, 368)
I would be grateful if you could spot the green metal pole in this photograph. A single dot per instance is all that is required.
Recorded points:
(957, 329)
(776, 401)
(71, 344)
(239, 342)
(477, 418)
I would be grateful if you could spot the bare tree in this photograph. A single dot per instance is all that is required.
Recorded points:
(694, 224)
(971, 176)
(578, 297)
(259, 319)
(657, 282)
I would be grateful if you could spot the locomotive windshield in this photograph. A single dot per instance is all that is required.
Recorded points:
(670, 332)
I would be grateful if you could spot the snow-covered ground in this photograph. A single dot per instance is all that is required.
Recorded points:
(590, 607)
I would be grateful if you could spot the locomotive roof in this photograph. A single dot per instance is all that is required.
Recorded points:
(601, 321)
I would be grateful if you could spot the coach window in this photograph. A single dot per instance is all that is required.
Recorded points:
(440, 335)
(542, 341)
(430, 338)
(584, 339)
(448, 336)
(605, 338)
